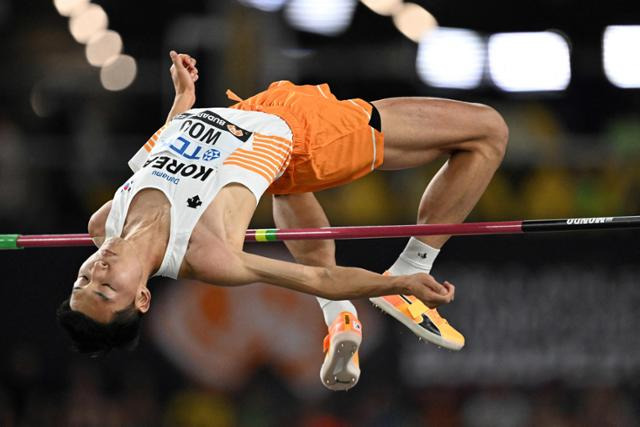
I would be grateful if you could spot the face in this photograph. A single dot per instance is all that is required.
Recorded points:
(109, 281)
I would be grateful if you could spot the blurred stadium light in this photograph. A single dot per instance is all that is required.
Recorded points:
(118, 73)
(383, 7)
(70, 7)
(621, 55)
(327, 17)
(102, 47)
(413, 21)
(526, 62)
(88, 24)
(265, 5)
(451, 58)
(89, 21)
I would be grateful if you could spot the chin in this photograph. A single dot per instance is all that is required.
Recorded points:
(113, 243)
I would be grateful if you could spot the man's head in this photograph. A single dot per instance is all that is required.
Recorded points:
(108, 299)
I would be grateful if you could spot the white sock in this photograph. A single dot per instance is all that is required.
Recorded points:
(417, 257)
(331, 309)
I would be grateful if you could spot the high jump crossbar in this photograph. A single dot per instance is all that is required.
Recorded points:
(17, 241)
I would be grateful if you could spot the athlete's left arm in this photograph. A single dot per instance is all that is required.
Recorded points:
(217, 264)
(184, 75)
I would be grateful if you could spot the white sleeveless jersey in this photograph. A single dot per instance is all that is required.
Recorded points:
(191, 158)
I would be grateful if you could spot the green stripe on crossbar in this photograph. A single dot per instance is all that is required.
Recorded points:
(9, 241)
(266, 235)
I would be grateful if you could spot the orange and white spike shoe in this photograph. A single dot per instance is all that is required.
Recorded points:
(341, 368)
(423, 321)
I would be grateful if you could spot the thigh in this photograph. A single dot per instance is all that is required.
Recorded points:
(417, 130)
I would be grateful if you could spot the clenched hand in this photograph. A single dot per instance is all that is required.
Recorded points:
(183, 73)
(427, 289)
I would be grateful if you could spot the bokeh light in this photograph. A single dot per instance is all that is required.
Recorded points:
(87, 23)
(383, 7)
(621, 55)
(40, 102)
(102, 47)
(452, 58)
(265, 5)
(118, 73)
(414, 21)
(70, 7)
(525, 62)
(327, 17)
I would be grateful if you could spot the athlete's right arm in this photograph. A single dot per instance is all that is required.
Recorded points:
(234, 268)
(184, 75)
(97, 223)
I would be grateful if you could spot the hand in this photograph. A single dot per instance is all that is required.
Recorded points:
(183, 73)
(427, 289)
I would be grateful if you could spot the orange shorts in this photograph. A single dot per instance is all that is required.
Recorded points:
(334, 142)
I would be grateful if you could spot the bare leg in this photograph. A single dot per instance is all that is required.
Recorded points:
(302, 211)
(340, 369)
(419, 130)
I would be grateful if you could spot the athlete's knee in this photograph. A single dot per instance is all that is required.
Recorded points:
(495, 132)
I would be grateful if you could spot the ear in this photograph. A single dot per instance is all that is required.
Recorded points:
(143, 299)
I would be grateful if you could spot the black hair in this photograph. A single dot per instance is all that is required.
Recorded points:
(98, 339)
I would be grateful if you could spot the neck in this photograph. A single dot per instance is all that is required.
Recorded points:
(147, 230)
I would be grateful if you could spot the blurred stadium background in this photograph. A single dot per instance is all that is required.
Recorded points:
(551, 320)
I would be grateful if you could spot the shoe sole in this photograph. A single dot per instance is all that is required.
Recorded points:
(335, 373)
(388, 308)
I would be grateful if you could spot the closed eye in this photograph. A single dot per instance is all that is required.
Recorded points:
(102, 296)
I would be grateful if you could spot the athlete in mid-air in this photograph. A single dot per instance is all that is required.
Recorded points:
(197, 180)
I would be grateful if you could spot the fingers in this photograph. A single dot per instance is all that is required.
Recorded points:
(433, 293)
(451, 289)
(433, 284)
(175, 59)
(184, 63)
(183, 60)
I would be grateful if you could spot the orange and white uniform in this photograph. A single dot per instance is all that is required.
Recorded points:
(334, 141)
(192, 158)
(287, 139)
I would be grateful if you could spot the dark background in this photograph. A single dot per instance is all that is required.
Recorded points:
(550, 320)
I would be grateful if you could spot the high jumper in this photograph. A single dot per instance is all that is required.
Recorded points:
(185, 210)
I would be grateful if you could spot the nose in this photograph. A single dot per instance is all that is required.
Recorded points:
(99, 266)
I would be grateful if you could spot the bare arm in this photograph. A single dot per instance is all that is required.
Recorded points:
(303, 211)
(184, 75)
(97, 223)
(218, 265)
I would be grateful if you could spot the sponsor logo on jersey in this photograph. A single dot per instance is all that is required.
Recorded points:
(579, 221)
(211, 154)
(179, 169)
(234, 130)
(194, 202)
(166, 176)
(191, 151)
(195, 126)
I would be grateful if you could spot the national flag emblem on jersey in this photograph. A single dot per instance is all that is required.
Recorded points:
(127, 186)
